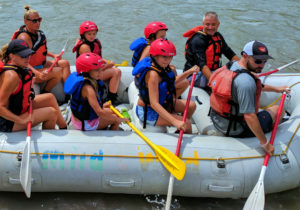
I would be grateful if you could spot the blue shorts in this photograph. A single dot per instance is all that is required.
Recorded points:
(152, 115)
(265, 121)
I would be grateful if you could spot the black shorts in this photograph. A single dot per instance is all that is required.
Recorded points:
(6, 125)
(265, 121)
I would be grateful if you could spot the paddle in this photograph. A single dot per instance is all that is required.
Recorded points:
(171, 162)
(256, 200)
(124, 63)
(280, 68)
(58, 57)
(171, 180)
(25, 170)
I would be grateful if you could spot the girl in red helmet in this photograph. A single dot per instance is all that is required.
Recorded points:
(157, 104)
(89, 43)
(141, 46)
(88, 110)
(36, 39)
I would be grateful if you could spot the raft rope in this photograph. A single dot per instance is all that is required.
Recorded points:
(155, 157)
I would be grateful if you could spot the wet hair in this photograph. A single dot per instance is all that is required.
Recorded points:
(4, 57)
(28, 11)
(211, 14)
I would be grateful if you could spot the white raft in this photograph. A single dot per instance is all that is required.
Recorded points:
(121, 162)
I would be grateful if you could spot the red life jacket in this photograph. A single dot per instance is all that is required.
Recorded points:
(39, 45)
(95, 46)
(19, 100)
(221, 85)
(213, 51)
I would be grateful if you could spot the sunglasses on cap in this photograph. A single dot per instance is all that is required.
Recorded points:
(35, 20)
(258, 61)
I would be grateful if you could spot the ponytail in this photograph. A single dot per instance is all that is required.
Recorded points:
(28, 11)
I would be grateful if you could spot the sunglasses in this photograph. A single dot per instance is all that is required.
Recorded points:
(36, 20)
(257, 61)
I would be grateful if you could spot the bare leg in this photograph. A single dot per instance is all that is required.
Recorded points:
(113, 75)
(45, 115)
(181, 87)
(65, 65)
(106, 122)
(48, 100)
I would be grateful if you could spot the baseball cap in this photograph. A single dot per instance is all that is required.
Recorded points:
(20, 47)
(257, 50)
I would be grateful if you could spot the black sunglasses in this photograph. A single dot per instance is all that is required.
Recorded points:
(258, 61)
(36, 20)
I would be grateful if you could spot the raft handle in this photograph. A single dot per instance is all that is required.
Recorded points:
(284, 159)
(19, 156)
(220, 163)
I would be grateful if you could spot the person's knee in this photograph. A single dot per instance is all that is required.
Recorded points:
(64, 63)
(192, 107)
(117, 73)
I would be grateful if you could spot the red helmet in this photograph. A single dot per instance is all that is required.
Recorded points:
(87, 26)
(162, 47)
(88, 61)
(154, 27)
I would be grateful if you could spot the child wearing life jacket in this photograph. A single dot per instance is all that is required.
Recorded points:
(16, 92)
(86, 90)
(157, 104)
(89, 43)
(36, 39)
(141, 46)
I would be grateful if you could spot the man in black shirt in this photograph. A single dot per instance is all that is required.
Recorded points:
(205, 47)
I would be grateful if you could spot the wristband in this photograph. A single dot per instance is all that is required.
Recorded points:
(264, 145)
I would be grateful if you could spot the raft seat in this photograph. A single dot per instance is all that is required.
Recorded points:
(133, 96)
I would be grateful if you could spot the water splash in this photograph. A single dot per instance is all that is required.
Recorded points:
(160, 201)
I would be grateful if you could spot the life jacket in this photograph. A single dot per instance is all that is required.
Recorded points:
(19, 100)
(80, 106)
(166, 86)
(221, 83)
(213, 52)
(39, 45)
(95, 46)
(137, 46)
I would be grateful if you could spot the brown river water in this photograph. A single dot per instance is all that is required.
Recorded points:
(276, 23)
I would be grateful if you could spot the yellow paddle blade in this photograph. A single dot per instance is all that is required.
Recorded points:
(124, 63)
(172, 163)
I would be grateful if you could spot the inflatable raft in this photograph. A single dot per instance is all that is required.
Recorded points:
(121, 162)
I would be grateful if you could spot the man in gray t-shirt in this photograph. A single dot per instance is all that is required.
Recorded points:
(247, 121)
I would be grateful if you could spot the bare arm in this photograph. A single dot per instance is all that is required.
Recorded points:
(9, 84)
(152, 80)
(145, 52)
(89, 93)
(185, 74)
(280, 89)
(254, 125)
(206, 71)
(235, 58)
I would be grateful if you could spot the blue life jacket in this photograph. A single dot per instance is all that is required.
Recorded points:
(137, 46)
(166, 86)
(80, 107)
